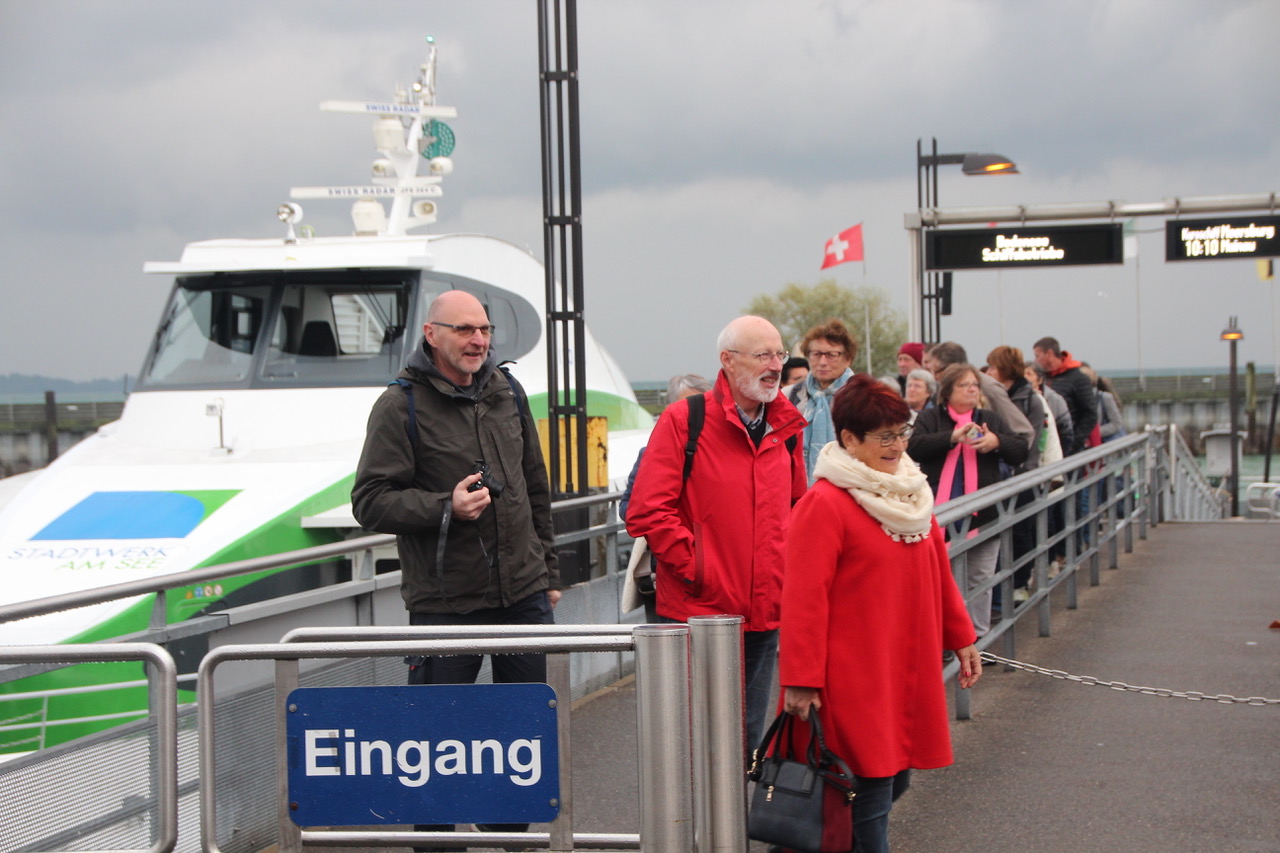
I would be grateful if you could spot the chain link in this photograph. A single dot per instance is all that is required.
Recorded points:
(1192, 695)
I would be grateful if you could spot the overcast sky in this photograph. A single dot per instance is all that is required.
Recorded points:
(723, 144)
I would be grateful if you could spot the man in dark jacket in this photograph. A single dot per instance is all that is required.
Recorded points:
(1064, 376)
(476, 547)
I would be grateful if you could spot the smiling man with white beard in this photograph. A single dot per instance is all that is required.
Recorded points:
(715, 510)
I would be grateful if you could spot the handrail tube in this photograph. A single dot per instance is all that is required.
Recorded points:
(380, 633)
(946, 514)
(173, 580)
(190, 577)
(366, 838)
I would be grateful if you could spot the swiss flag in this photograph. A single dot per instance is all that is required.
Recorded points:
(845, 246)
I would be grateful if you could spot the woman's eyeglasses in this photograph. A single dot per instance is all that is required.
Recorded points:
(887, 439)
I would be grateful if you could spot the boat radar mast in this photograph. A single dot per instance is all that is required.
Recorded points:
(406, 132)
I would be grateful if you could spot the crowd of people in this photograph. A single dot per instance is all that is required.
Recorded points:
(806, 505)
(788, 490)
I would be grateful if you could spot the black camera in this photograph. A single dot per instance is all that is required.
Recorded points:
(486, 481)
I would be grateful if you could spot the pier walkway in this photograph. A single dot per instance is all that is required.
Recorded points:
(1051, 765)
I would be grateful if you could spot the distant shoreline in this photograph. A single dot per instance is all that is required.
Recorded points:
(20, 389)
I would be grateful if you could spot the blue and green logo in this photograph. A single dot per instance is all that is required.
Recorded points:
(136, 515)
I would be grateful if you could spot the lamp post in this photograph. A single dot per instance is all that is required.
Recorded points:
(934, 289)
(1232, 334)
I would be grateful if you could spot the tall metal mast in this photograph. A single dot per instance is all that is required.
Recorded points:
(562, 236)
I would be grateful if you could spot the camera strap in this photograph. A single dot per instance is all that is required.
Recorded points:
(445, 516)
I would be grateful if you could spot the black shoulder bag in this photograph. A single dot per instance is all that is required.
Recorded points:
(786, 808)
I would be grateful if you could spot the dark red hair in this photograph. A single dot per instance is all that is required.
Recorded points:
(866, 404)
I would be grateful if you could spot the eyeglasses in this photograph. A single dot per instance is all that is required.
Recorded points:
(817, 354)
(887, 439)
(967, 384)
(764, 357)
(467, 331)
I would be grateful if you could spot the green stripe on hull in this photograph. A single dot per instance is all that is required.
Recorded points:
(282, 533)
(620, 412)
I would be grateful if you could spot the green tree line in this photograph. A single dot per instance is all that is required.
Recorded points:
(865, 311)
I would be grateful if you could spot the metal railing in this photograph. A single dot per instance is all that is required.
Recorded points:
(162, 680)
(1084, 508)
(1105, 495)
(674, 723)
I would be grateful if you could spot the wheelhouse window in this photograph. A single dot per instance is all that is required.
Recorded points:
(295, 329)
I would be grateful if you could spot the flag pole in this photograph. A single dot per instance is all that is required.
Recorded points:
(865, 291)
(867, 304)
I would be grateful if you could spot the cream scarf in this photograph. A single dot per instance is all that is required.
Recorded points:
(901, 502)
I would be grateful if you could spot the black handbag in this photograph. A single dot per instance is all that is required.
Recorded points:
(786, 808)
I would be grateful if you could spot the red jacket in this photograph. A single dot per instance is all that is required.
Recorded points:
(865, 620)
(719, 538)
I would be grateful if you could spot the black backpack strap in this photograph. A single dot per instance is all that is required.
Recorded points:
(522, 399)
(697, 414)
(412, 426)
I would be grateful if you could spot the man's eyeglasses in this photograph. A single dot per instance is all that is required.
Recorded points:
(764, 357)
(887, 439)
(467, 331)
(817, 354)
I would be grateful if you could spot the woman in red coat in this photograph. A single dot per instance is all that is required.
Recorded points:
(868, 606)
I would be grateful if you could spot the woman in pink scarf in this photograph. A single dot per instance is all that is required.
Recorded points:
(959, 447)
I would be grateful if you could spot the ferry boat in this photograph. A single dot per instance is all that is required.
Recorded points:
(242, 436)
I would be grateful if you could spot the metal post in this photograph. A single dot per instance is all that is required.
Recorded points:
(1044, 608)
(915, 300)
(562, 244)
(288, 833)
(1109, 484)
(558, 677)
(1071, 542)
(50, 425)
(666, 740)
(720, 811)
(1143, 491)
(1235, 432)
(1271, 428)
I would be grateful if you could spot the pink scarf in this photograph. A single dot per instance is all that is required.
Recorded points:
(947, 482)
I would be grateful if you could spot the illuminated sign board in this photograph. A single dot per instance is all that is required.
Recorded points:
(1216, 239)
(1023, 246)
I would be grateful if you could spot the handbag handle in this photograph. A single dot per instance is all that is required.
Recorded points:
(831, 767)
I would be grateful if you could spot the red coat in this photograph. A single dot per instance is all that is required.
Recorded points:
(865, 620)
(719, 538)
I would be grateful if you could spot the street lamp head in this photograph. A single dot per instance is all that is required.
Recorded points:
(988, 164)
(1232, 332)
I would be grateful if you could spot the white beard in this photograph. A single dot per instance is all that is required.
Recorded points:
(753, 389)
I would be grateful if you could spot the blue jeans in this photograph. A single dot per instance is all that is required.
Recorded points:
(463, 669)
(759, 661)
(871, 808)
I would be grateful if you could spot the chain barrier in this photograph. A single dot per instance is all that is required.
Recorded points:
(1194, 696)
